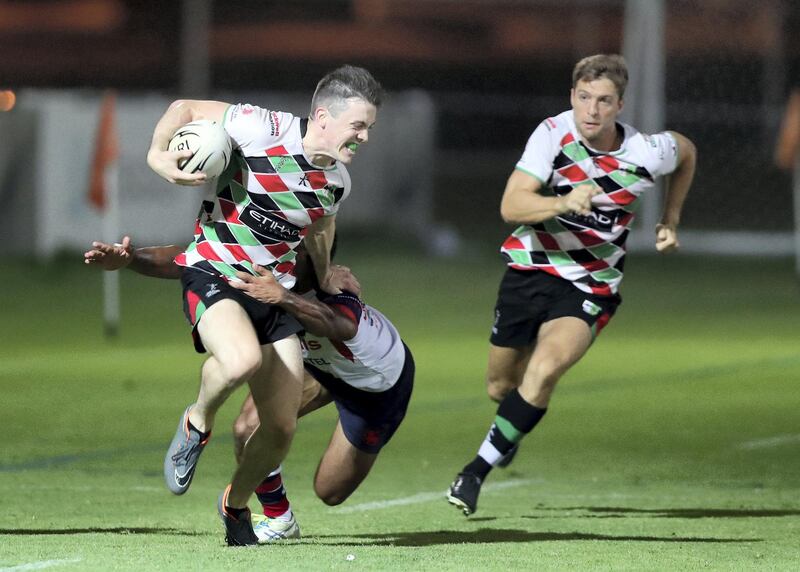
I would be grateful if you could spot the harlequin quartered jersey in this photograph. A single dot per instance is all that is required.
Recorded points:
(588, 251)
(265, 200)
(371, 361)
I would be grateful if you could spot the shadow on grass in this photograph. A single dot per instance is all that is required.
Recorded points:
(98, 530)
(622, 512)
(489, 535)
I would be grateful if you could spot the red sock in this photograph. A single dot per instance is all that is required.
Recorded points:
(272, 495)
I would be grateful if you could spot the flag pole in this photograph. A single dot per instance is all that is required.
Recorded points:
(111, 286)
(104, 195)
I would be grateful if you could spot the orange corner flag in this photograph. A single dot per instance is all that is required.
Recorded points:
(787, 149)
(106, 151)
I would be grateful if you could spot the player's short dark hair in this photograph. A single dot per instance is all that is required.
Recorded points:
(608, 66)
(343, 83)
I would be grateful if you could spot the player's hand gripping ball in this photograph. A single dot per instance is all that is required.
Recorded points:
(210, 144)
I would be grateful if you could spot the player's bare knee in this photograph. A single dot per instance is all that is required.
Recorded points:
(243, 427)
(498, 392)
(331, 498)
(239, 368)
(329, 495)
(498, 387)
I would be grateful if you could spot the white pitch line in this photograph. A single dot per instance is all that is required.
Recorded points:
(40, 565)
(770, 442)
(426, 497)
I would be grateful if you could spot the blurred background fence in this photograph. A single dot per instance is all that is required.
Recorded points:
(469, 80)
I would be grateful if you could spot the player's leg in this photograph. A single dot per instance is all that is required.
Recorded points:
(367, 422)
(278, 521)
(314, 397)
(227, 333)
(504, 374)
(560, 343)
(505, 370)
(276, 394)
(243, 426)
(517, 316)
(342, 469)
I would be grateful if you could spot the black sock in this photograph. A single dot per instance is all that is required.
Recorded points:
(203, 436)
(236, 513)
(515, 418)
(521, 414)
(478, 467)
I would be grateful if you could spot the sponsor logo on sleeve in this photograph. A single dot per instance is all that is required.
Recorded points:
(274, 124)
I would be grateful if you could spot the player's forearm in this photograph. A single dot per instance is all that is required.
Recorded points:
(318, 318)
(530, 208)
(156, 261)
(679, 183)
(319, 242)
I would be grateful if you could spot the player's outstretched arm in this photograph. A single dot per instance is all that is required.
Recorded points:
(316, 317)
(522, 202)
(179, 113)
(678, 185)
(155, 261)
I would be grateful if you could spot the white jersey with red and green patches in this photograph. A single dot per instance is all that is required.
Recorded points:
(265, 200)
(372, 360)
(589, 251)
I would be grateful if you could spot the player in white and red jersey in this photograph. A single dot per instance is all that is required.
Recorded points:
(574, 192)
(587, 249)
(285, 183)
(353, 356)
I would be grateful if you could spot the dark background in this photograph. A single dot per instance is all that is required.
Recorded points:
(494, 68)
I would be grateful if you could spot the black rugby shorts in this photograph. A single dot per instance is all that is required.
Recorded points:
(202, 290)
(529, 298)
(369, 419)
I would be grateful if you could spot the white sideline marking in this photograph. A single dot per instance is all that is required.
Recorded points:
(41, 565)
(770, 442)
(425, 497)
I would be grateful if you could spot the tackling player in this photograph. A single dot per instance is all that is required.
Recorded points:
(353, 356)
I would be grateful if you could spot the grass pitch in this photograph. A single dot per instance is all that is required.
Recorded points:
(675, 444)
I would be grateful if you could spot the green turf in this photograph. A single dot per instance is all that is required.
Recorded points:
(675, 443)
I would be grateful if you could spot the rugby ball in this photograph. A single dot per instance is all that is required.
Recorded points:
(210, 144)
